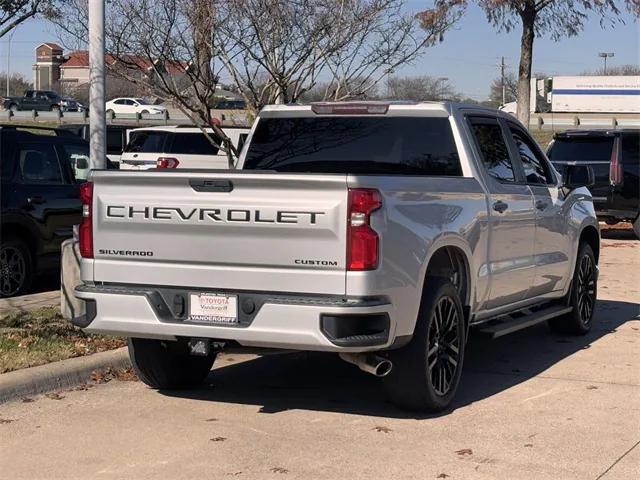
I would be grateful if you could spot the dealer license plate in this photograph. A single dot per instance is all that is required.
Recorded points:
(212, 308)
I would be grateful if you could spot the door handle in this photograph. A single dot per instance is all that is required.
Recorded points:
(37, 200)
(541, 204)
(500, 206)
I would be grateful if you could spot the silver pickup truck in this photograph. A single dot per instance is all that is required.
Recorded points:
(382, 232)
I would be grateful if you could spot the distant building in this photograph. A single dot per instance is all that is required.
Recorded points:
(46, 70)
(54, 70)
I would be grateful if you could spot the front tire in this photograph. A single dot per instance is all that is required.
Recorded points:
(168, 365)
(426, 373)
(582, 296)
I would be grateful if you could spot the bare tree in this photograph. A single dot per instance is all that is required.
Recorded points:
(15, 12)
(622, 70)
(420, 88)
(511, 89)
(556, 18)
(162, 47)
(355, 43)
(17, 83)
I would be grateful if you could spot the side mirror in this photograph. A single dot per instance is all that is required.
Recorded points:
(82, 163)
(577, 176)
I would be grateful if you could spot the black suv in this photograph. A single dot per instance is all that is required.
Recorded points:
(614, 156)
(40, 173)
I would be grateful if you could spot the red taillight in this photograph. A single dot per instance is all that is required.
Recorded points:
(615, 167)
(86, 226)
(167, 162)
(362, 240)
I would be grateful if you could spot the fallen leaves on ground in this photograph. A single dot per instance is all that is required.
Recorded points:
(443, 475)
(54, 396)
(108, 374)
(6, 420)
(40, 336)
(27, 400)
(218, 439)
(464, 451)
(382, 429)
(279, 470)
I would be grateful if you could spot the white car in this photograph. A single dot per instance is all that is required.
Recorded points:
(176, 146)
(129, 106)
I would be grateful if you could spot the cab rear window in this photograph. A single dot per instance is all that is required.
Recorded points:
(146, 142)
(192, 144)
(581, 149)
(356, 144)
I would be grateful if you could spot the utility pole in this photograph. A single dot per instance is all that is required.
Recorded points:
(97, 120)
(606, 55)
(502, 84)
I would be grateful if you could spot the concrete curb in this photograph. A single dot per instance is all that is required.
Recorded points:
(58, 375)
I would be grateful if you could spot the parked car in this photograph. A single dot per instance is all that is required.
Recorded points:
(230, 105)
(42, 100)
(131, 106)
(177, 147)
(116, 139)
(39, 201)
(614, 156)
(378, 231)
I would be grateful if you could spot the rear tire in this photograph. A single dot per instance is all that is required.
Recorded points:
(636, 227)
(168, 365)
(426, 372)
(16, 268)
(582, 296)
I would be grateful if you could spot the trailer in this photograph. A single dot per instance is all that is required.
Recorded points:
(586, 94)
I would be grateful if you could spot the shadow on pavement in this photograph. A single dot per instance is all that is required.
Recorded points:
(322, 382)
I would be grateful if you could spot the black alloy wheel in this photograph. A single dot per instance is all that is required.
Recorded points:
(13, 270)
(443, 354)
(582, 296)
(586, 285)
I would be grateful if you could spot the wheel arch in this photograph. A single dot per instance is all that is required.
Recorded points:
(452, 257)
(590, 235)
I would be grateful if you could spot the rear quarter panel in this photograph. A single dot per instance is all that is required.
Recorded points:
(419, 216)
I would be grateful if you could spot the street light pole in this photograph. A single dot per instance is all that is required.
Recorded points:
(440, 93)
(97, 120)
(606, 55)
(9, 60)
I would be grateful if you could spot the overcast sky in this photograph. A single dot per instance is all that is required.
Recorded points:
(469, 56)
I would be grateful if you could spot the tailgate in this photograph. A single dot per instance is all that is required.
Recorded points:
(228, 231)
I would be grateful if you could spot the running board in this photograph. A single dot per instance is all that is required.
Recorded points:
(510, 325)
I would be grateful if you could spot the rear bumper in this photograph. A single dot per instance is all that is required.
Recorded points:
(320, 323)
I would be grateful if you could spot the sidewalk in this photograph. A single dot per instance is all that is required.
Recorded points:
(27, 303)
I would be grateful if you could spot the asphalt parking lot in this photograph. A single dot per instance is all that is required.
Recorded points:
(533, 405)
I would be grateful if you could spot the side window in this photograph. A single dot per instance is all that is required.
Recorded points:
(38, 163)
(535, 167)
(114, 141)
(78, 158)
(631, 149)
(492, 145)
(119, 102)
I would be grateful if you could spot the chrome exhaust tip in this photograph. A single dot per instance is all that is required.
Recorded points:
(369, 362)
